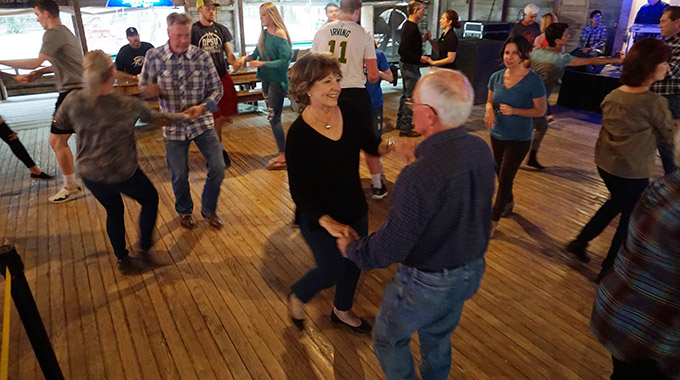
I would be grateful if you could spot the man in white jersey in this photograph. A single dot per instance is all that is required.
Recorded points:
(354, 49)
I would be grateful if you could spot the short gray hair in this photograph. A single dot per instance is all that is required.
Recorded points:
(178, 18)
(448, 92)
(531, 9)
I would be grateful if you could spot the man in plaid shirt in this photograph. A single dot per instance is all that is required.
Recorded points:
(669, 87)
(593, 37)
(184, 79)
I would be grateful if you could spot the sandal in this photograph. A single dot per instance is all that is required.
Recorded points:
(276, 165)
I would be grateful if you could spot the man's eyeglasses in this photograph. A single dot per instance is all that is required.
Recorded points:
(410, 104)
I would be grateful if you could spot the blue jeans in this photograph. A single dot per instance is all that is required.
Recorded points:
(139, 188)
(177, 155)
(273, 96)
(410, 75)
(430, 304)
(331, 268)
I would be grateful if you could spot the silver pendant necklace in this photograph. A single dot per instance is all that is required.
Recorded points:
(327, 123)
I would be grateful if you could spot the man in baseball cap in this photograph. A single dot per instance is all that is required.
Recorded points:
(130, 58)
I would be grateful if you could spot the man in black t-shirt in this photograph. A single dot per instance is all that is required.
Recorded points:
(130, 57)
(410, 52)
(214, 38)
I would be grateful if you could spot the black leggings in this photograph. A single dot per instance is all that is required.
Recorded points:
(15, 145)
(508, 156)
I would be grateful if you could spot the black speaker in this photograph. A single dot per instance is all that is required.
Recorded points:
(478, 59)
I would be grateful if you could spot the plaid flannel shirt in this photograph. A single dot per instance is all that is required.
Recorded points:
(185, 80)
(594, 38)
(637, 306)
(670, 85)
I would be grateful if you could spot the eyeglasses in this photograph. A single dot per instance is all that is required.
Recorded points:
(410, 104)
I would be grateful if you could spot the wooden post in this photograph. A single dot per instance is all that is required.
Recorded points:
(504, 12)
(470, 9)
(78, 21)
(241, 30)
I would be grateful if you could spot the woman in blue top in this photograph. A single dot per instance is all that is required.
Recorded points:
(516, 94)
(272, 58)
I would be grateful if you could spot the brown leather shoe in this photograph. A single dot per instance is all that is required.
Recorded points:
(213, 220)
(187, 221)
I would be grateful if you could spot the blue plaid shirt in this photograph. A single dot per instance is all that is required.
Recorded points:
(185, 80)
(440, 214)
(594, 38)
(637, 307)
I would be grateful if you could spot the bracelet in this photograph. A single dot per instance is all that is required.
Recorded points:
(390, 143)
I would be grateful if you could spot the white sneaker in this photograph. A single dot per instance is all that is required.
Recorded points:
(65, 195)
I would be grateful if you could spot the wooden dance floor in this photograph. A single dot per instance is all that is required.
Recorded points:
(212, 305)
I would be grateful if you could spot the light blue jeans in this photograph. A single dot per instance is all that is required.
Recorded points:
(430, 304)
(177, 155)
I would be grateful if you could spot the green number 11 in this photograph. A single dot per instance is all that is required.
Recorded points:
(343, 50)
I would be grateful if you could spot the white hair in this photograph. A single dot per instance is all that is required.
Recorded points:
(531, 9)
(450, 93)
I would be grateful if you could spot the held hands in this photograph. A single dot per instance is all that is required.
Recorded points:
(344, 233)
(427, 36)
(426, 59)
(28, 78)
(255, 63)
(194, 112)
(343, 242)
(405, 149)
(506, 109)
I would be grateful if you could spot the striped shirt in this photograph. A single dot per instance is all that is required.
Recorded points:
(593, 37)
(670, 85)
(185, 80)
(637, 307)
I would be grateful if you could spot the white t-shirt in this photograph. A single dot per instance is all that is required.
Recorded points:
(350, 43)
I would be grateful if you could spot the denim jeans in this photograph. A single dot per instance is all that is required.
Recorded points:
(331, 268)
(177, 155)
(273, 96)
(624, 194)
(410, 75)
(139, 188)
(430, 304)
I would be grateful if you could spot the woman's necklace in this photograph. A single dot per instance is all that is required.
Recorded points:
(326, 123)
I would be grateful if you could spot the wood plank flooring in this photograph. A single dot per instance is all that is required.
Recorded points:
(211, 305)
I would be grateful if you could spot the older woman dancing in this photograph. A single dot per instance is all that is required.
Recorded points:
(322, 153)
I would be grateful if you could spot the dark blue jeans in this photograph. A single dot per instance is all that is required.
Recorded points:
(624, 194)
(139, 188)
(273, 96)
(410, 75)
(430, 304)
(331, 268)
